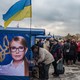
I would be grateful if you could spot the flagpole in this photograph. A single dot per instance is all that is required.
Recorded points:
(30, 25)
(30, 30)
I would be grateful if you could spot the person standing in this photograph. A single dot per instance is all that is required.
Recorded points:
(66, 52)
(73, 50)
(78, 50)
(56, 52)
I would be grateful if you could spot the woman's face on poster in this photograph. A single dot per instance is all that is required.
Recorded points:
(17, 50)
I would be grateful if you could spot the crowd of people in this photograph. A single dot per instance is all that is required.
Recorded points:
(70, 48)
(55, 52)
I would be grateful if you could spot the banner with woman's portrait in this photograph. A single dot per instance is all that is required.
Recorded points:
(14, 55)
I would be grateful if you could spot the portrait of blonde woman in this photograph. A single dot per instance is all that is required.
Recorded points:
(19, 65)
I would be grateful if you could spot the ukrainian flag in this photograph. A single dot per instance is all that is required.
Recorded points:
(20, 10)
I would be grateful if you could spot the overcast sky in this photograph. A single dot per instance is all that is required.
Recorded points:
(59, 17)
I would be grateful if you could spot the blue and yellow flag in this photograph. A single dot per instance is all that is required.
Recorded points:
(20, 10)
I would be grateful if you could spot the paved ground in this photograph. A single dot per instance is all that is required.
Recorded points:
(72, 72)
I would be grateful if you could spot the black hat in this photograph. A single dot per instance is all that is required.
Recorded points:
(34, 46)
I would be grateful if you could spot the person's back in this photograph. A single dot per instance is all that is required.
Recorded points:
(48, 58)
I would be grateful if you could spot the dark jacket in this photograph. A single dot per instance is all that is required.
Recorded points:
(56, 52)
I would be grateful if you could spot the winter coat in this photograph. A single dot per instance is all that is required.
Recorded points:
(56, 52)
(73, 48)
(78, 47)
(45, 56)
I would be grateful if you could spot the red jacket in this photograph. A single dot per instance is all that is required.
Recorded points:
(78, 46)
